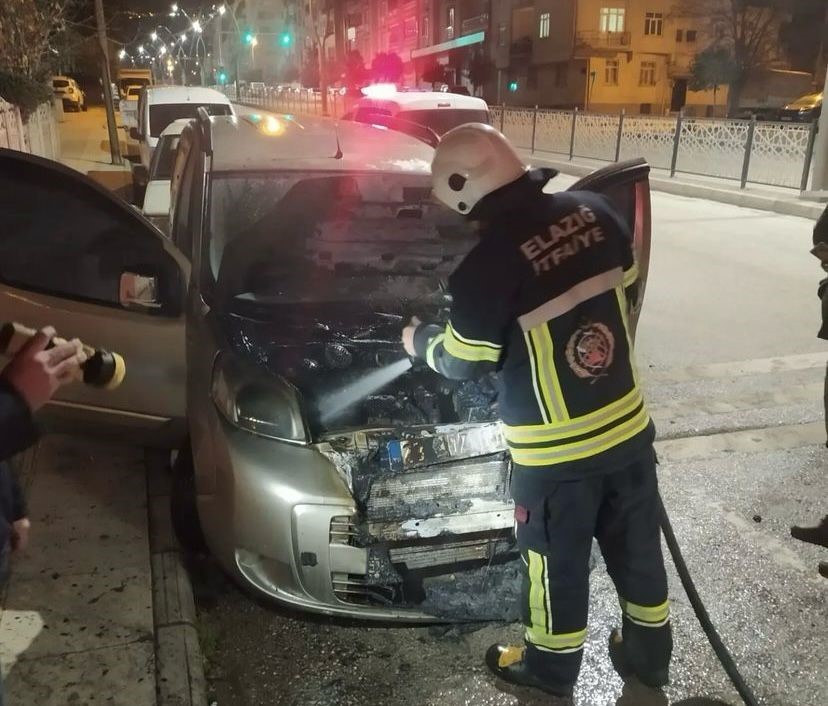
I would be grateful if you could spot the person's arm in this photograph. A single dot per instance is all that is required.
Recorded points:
(17, 427)
(483, 291)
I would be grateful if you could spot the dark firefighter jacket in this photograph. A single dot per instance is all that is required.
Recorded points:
(541, 299)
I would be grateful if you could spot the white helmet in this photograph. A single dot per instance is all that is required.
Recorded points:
(471, 162)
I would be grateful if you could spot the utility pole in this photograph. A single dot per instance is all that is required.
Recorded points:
(820, 173)
(114, 140)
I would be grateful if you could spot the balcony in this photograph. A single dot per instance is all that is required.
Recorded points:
(596, 43)
(475, 24)
(520, 50)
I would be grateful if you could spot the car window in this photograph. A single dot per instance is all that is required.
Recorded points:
(60, 83)
(182, 192)
(162, 114)
(163, 158)
(441, 120)
(79, 246)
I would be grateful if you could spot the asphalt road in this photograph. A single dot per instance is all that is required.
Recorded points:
(734, 374)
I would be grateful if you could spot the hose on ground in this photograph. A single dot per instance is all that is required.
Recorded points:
(701, 613)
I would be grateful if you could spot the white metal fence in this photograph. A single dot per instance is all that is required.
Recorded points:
(772, 153)
(39, 134)
(777, 154)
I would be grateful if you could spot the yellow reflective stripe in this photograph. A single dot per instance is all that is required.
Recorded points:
(535, 383)
(550, 385)
(579, 425)
(625, 315)
(564, 642)
(471, 341)
(582, 449)
(648, 614)
(537, 591)
(631, 275)
(474, 353)
(432, 344)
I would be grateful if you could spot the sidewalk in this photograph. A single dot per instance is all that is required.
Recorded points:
(85, 147)
(77, 620)
(764, 198)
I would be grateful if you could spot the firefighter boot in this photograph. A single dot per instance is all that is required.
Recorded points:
(507, 662)
(813, 535)
(624, 669)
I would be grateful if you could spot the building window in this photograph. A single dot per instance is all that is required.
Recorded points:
(561, 74)
(611, 72)
(543, 28)
(647, 77)
(691, 35)
(653, 23)
(501, 35)
(679, 35)
(450, 24)
(410, 27)
(426, 28)
(612, 19)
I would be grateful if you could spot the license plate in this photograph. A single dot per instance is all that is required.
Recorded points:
(441, 446)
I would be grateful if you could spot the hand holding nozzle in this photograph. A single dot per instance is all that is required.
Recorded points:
(42, 363)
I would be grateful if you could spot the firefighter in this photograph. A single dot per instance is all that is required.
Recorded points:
(543, 299)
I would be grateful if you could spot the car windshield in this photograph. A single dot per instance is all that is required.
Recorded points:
(807, 101)
(347, 238)
(442, 120)
(133, 81)
(60, 83)
(163, 158)
(162, 114)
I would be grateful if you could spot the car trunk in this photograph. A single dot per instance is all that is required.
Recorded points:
(423, 457)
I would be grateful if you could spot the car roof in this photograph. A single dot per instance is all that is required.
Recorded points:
(176, 127)
(286, 142)
(425, 100)
(184, 94)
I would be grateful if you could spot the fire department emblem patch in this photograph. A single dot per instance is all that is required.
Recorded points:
(590, 351)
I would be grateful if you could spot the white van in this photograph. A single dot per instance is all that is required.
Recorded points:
(439, 112)
(160, 106)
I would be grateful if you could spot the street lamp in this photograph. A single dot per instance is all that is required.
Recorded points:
(174, 9)
(196, 26)
(154, 36)
(221, 10)
(141, 49)
(122, 54)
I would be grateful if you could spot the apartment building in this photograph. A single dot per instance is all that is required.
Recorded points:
(602, 55)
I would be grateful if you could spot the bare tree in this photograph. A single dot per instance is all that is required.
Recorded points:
(320, 28)
(26, 28)
(747, 29)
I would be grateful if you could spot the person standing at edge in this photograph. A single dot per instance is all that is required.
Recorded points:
(27, 383)
(543, 299)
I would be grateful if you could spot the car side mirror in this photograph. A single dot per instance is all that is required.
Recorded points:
(139, 292)
(134, 134)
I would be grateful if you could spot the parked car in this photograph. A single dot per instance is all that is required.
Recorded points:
(68, 90)
(129, 105)
(156, 203)
(297, 251)
(438, 111)
(158, 106)
(804, 109)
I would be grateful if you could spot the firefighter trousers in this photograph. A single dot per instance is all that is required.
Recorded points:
(555, 528)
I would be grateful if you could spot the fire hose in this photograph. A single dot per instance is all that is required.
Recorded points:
(102, 368)
(710, 631)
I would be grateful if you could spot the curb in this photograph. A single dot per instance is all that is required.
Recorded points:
(179, 663)
(786, 207)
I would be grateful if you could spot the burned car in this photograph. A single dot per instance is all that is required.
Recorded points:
(322, 467)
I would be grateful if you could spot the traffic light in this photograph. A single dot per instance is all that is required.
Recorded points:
(513, 86)
(248, 37)
(221, 76)
(286, 39)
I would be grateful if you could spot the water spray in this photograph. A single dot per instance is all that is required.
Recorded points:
(335, 402)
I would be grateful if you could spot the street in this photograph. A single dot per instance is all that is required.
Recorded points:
(734, 374)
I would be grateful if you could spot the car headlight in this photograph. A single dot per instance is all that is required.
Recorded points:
(70, 90)
(258, 402)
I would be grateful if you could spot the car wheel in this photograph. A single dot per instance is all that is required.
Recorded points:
(83, 107)
(183, 506)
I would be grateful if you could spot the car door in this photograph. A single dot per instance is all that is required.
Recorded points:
(74, 256)
(627, 186)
